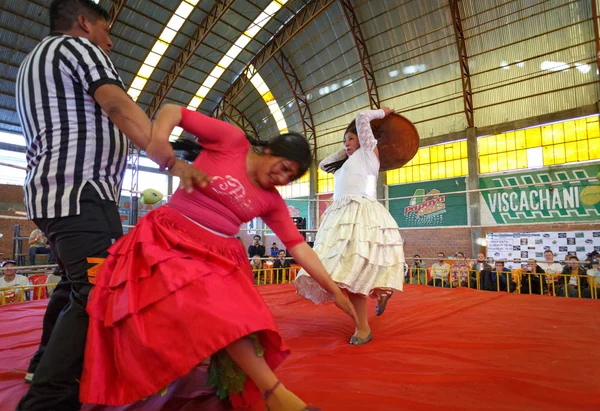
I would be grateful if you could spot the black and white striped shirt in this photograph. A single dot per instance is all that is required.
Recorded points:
(70, 139)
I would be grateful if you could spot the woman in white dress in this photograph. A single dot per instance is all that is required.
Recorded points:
(359, 242)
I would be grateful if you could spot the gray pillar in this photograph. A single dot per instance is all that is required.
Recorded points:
(473, 199)
(382, 190)
(313, 206)
(169, 184)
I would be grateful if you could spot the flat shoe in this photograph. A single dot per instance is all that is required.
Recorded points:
(381, 304)
(360, 341)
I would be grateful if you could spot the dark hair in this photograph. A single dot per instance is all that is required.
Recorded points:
(291, 146)
(573, 257)
(442, 253)
(461, 253)
(351, 128)
(336, 165)
(63, 13)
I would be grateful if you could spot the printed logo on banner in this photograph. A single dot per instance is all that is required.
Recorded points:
(556, 198)
(430, 203)
(428, 207)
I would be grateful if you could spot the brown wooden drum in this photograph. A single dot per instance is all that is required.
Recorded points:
(397, 140)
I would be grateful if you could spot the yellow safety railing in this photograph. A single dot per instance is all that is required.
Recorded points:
(275, 275)
(25, 292)
(515, 281)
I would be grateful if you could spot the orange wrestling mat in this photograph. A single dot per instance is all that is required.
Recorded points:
(433, 348)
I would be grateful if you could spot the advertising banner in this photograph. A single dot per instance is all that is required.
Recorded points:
(429, 205)
(558, 200)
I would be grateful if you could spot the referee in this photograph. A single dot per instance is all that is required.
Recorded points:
(75, 115)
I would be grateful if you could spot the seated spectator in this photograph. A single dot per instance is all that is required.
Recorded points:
(281, 261)
(256, 263)
(593, 280)
(460, 271)
(418, 271)
(257, 267)
(281, 265)
(274, 250)
(440, 272)
(551, 268)
(52, 280)
(257, 247)
(38, 244)
(590, 258)
(481, 273)
(11, 279)
(533, 280)
(502, 278)
(577, 281)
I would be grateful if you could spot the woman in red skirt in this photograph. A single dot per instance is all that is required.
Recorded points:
(179, 289)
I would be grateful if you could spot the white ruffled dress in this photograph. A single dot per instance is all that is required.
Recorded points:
(358, 241)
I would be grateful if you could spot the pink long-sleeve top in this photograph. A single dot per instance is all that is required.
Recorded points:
(231, 198)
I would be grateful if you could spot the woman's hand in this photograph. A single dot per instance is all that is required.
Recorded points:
(159, 148)
(161, 153)
(387, 111)
(189, 176)
(343, 303)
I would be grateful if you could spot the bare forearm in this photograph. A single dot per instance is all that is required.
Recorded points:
(168, 118)
(309, 260)
(134, 123)
(126, 115)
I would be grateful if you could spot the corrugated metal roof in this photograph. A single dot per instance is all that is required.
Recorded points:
(514, 47)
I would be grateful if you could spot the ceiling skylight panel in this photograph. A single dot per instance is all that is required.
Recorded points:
(210, 82)
(252, 30)
(152, 59)
(160, 47)
(167, 35)
(240, 43)
(145, 71)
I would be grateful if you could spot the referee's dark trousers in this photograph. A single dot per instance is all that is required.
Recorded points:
(79, 241)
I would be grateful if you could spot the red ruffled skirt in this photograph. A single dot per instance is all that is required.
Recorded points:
(169, 295)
